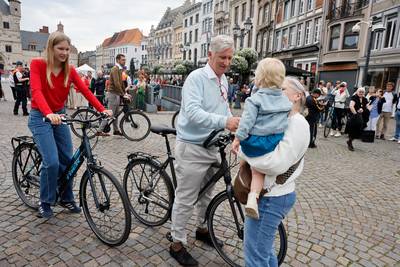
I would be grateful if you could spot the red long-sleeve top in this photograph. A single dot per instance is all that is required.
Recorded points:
(49, 100)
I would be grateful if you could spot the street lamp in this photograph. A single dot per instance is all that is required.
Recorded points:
(183, 48)
(241, 33)
(373, 28)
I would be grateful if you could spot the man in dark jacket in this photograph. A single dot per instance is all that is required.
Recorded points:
(20, 89)
(315, 107)
(100, 86)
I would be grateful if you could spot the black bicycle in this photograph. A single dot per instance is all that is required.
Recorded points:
(102, 198)
(331, 117)
(174, 120)
(134, 124)
(151, 193)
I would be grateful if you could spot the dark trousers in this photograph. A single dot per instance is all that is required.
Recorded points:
(21, 98)
(14, 93)
(337, 119)
(313, 132)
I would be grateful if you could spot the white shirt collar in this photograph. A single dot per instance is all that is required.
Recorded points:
(211, 73)
(119, 66)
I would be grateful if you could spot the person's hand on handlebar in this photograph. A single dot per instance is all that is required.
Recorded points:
(55, 119)
(235, 146)
(232, 123)
(108, 112)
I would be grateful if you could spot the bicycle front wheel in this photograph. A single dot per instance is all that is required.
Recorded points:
(106, 206)
(327, 127)
(135, 125)
(222, 226)
(85, 114)
(149, 190)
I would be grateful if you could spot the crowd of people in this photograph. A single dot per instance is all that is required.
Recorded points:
(366, 113)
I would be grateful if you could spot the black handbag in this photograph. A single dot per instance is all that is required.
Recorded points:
(368, 136)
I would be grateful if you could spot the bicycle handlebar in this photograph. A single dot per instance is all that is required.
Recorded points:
(66, 120)
(222, 140)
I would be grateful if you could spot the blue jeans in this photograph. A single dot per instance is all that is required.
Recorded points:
(397, 131)
(259, 235)
(55, 147)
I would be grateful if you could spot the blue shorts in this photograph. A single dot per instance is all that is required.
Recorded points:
(255, 146)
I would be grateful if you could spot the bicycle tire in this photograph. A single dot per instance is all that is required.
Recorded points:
(174, 119)
(134, 186)
(327, 127)
(118, 206)
(85, 114)
(138, 122)
(232, 251)
(30, 183)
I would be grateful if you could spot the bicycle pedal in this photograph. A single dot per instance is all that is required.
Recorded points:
(169, 237)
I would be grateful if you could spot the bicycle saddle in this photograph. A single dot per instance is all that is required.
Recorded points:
(162, 130)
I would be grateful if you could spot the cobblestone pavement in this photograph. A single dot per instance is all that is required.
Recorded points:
(347, 210)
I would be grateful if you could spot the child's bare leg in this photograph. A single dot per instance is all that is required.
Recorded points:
(257, 182)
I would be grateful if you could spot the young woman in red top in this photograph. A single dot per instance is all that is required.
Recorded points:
(50, 82)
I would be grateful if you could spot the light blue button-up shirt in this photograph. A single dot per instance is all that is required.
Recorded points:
(204, 106)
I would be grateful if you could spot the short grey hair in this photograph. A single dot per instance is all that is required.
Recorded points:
(295, 84)
(221, 42)
(361, 89)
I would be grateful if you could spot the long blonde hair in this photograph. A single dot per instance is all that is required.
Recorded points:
(54, 39)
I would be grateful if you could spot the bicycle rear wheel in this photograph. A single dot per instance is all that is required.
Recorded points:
(85, 114)
(26, 166)
(222, 226)
(327, 127)
(106, 206)
(135, 125)
(149, 190)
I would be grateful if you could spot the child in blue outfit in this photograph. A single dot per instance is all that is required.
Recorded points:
(263, 122)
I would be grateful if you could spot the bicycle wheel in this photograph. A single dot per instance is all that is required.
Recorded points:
(26, 166)
(222, 226)
(175, 119)
(85, 114)
(327, 127)
(149, 190)
(135, 125)
(106, 206)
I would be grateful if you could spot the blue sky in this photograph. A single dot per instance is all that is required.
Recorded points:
(89, 22)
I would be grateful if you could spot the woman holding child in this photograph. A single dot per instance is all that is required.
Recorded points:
(273, 136)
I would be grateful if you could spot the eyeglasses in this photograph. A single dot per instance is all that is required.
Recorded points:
(223, 91)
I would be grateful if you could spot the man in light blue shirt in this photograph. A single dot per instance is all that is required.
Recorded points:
(204, 108)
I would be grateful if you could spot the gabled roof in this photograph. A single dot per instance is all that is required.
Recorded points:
(132, 36)
(38, 39)
(4, 8)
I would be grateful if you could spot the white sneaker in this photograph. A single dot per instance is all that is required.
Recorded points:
(398, 142)
(393, 139)
(332, 133)
(251, 207)
(320, 125)
(338, 134)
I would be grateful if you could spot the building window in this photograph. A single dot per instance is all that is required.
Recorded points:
(190, 37)
(236, 15)
(197, 18)
(292, 36)
(317, 29)
(293, 8)
(390, 32)
(142, 47)
(6, 25)
(204, 9)
(350, 38)
(278, 41)
(286, 10)
(32, 47)
(266, 13)
(299, 34)
(285, 37)
(190, 54)
(185, 38)
(310, 4)
(191, 21)
(251, 8)
(335, 36)
(186, 23)
(301, 7)
(260, 18)
(196, 35)
(307, 37)
(8, 49)
(244, 11)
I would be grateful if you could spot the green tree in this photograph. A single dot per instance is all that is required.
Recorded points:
(239, 65)
(180, 69)
(189, 65)
(250, 55)
(156, 69)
